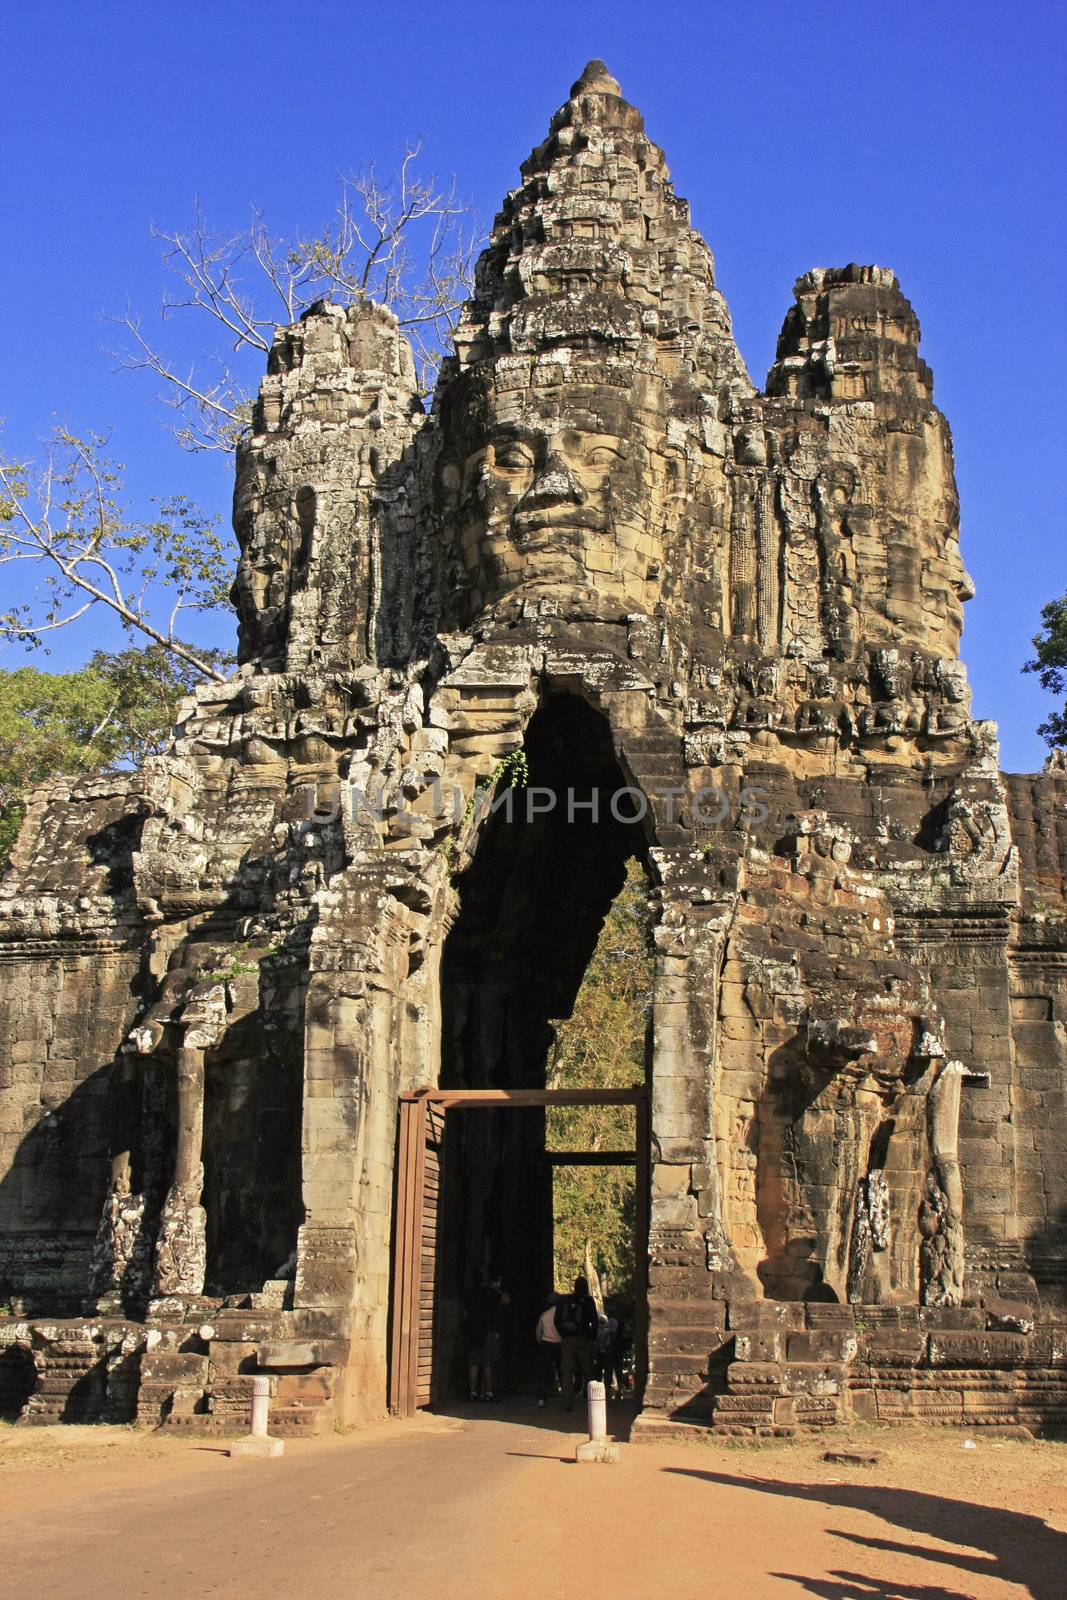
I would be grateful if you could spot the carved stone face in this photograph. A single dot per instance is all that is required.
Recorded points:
(557, 501)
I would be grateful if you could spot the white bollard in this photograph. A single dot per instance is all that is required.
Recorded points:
(259, 1441)
(598, 1410)
(598, 1447)
(260, 1406)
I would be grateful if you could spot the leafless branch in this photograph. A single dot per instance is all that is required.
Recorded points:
(406, 242)
(66, 520)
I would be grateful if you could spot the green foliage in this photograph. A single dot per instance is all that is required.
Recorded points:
(66, 523)
(110, 713)
(601, 1045)
(239, 968)
(1050, 664)
(514, 768)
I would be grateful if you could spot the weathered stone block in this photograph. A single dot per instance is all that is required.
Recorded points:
(174, 1367)
(824, 1345)
(949, 1349)
(766, 1346)
(893, 1347)
(766, 1316)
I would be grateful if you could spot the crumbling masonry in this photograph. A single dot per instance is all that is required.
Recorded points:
(603, 545)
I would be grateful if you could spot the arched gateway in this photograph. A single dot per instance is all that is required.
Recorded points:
(225, 975)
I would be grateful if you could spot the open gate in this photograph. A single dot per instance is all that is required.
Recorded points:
(411, 1365)
(413, 1356)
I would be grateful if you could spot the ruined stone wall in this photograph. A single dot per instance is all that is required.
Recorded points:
(70, 959)
(64, 1017)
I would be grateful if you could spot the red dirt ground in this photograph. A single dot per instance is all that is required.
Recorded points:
(491, 1505)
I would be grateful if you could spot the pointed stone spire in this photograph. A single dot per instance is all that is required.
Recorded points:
(596, 79)
(596, 250)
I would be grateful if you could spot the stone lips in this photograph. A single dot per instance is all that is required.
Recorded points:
(212, 999)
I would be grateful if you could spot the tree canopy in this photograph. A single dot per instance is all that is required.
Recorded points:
(404, 240)
(602, 1045)
(67, 523)
(1050, 664)
(110, 713)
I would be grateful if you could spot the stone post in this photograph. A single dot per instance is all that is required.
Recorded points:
(598, 1447)
(259, 1442)
(260, 1406)
(596, 1395)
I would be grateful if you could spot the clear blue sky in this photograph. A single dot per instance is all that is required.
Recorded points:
(925, 135)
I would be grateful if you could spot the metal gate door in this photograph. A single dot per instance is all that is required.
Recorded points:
(412, 1365)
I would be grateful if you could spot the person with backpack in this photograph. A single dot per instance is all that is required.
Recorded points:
(576, 1323)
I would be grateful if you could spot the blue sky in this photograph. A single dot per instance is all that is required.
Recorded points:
(925, 135)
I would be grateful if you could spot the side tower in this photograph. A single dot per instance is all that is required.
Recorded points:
(177, 1144)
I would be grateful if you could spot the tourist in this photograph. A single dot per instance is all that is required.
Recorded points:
(548, 1350)
(607, 1328)
(576, 1320)
(485, 1302)
(614, 1362)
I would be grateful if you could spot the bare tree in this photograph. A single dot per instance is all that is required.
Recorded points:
(406, 242)
(66, 520)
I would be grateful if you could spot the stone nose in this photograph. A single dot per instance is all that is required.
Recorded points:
(554, 485)
(964, 586)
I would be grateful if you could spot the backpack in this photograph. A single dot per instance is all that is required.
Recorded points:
(570, 1321)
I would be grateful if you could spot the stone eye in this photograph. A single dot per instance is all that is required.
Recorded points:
(513, 458)
(603, 456)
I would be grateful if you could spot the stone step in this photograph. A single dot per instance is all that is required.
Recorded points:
(652, 1426)
(302, 1422)
(204, 1422)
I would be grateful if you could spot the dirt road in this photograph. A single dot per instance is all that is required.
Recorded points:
(492, 1506)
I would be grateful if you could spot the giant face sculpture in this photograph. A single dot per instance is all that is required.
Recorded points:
(561, 497)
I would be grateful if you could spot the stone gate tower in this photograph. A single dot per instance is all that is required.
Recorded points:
(603, 545)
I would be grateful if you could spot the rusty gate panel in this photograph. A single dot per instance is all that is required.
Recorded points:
(412, 1368)
(426, 1386)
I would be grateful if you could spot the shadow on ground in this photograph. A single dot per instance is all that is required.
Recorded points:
(1017, 1548)
(553, 1416)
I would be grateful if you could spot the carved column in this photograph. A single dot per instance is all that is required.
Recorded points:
(118, 1250)
(941, 1216)
(768, 542)
(741, 596)
(181, 1247)
(120, 1266)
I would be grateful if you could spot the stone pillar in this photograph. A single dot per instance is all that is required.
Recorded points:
(941, 1216)
(181, 1248)
(117, 1238)
(372, 1031)
(691, 1267)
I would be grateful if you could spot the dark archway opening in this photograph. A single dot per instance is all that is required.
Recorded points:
(18, 1380)
(532, 904)
(252, 1111)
